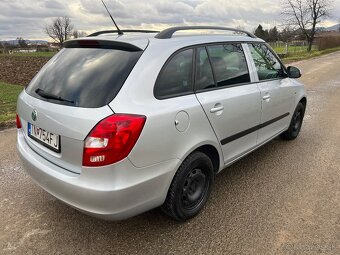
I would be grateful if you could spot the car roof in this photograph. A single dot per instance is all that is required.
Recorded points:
(173, 37)
(142, 40)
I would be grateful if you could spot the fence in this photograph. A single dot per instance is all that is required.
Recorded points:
(327, 42)
(291, 48)
(9, 49)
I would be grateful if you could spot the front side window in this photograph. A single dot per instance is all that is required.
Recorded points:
(176, 76)
(267, 65)
(229, 64)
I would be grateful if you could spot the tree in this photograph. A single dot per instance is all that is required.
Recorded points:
(22, 42)
(285, 34)
(305, 15)
(77, 34)
(263, 34)
(60, 30)
(273, 34)
(3, 47)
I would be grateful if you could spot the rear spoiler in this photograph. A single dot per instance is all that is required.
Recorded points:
(100, 44)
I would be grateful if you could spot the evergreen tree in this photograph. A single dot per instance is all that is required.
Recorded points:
(263, 34)
(273, 34)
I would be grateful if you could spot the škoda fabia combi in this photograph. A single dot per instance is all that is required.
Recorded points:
(115, 125)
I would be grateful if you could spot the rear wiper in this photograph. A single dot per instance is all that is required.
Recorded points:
(47, 95)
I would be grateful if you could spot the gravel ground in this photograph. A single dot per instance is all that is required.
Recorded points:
(284, 198)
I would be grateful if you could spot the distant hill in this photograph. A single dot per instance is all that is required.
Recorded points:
(333, 28)
(29, 42)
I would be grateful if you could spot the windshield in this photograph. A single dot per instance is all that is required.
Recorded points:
(83, 77)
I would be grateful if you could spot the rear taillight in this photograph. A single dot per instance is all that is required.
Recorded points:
(18, 121)
(112, 139)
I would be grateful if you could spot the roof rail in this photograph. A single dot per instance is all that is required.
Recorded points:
(168, 33)
(124, 31)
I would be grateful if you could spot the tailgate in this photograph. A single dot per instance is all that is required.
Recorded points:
(72, 124)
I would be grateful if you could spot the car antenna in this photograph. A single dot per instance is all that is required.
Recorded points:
(120, 32)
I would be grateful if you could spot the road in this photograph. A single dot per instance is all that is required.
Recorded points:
(283, 198)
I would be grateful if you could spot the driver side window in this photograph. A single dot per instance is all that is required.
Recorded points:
(267, 65)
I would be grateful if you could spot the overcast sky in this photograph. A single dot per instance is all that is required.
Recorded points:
(27, 18)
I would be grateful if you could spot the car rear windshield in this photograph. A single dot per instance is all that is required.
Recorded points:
(83, 77)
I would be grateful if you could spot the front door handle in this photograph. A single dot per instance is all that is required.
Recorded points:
(217, 108)
(266, 97)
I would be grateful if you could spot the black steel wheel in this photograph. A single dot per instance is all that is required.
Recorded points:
(190, 188)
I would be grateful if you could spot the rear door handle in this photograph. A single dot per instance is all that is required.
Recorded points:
(217, 108)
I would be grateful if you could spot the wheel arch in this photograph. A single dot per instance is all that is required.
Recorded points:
(212, 152)
(303, 100)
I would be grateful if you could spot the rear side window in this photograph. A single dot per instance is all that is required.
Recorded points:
(176, 76)
(229, 64)
(83, 77)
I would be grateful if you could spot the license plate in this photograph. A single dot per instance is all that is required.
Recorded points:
(44, 137)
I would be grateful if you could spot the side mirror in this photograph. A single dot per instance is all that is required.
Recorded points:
(293, 72)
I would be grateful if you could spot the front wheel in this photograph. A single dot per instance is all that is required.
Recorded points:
(295, 124)
(190, 188)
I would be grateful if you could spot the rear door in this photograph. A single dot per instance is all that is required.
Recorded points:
(277, 94)
(69, 96)
(231, 102)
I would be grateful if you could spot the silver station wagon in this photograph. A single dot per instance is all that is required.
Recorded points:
(115, 125)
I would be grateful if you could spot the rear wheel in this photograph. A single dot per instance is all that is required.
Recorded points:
(190, 188)
(295, 124)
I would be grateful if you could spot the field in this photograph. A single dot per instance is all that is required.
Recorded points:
(297, 56)
(280, 49)
(34, 54)
(20, 68)
(16, 71)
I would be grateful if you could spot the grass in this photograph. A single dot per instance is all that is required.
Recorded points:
(307, 55)
(8, 101)
(292, 49)
(297, 53)
(31, 54)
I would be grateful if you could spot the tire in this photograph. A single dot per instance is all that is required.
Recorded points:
(295, 124)
(190, 188)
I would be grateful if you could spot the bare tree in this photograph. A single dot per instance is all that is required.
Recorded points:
(305, 15)
(77, 34)
(60, 30)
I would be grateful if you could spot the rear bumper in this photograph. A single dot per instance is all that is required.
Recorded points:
(114, 192)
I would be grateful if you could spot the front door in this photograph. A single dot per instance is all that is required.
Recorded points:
(276, 92)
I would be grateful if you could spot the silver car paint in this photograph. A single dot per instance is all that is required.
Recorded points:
(140, 182)
(236, 101)
(113, 192)
(72, 123)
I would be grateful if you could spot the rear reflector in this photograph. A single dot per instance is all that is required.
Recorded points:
(112, 139)
(18, 121)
